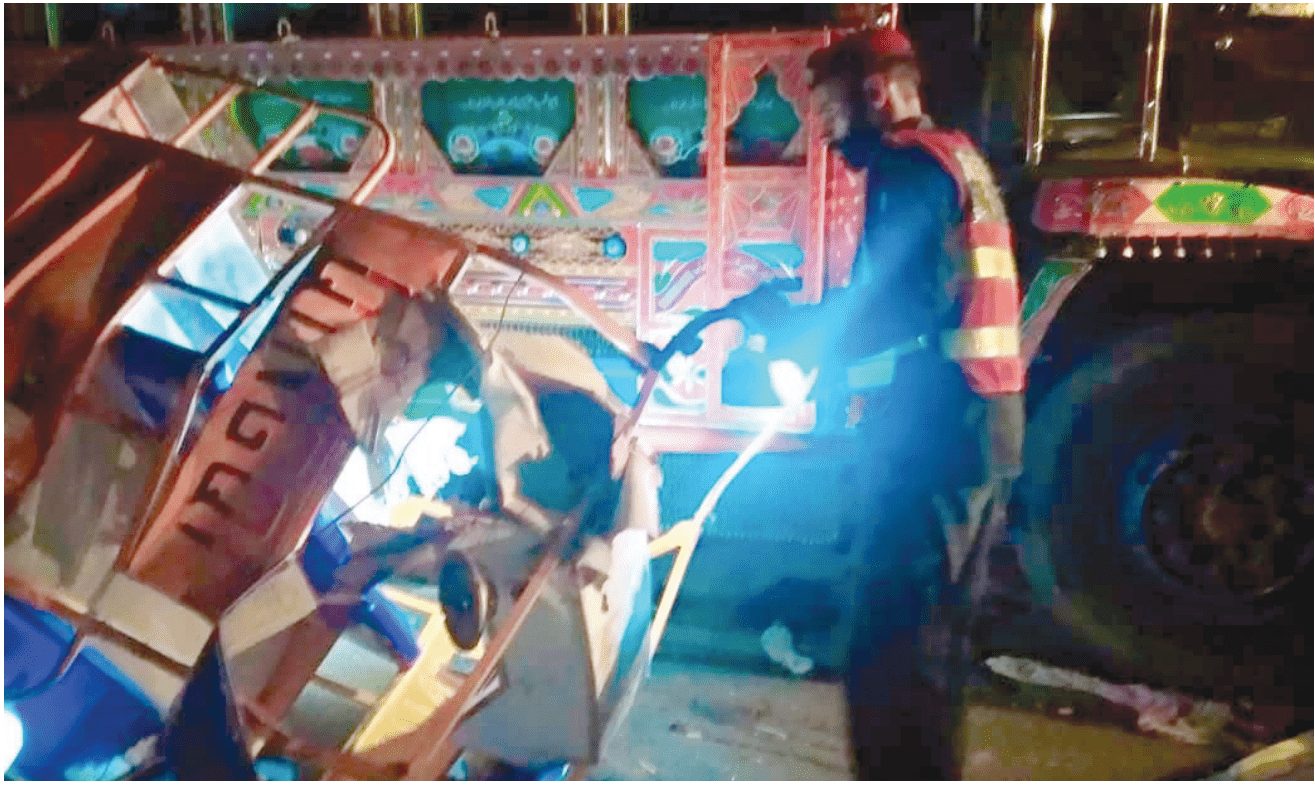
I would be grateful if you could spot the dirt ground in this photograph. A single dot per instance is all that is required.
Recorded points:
(701, 723)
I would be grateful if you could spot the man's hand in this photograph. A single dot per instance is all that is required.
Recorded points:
(989, 503)
(765, 309)
(1006, 424)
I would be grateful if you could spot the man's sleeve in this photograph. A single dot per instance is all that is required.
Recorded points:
(986, 344)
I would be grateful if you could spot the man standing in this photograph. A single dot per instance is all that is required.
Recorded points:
(934, 286)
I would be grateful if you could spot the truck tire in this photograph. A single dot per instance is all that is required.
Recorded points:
(1168, 507)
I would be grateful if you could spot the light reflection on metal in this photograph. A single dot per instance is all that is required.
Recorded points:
(284, 31)
(397, 20)
(284, 141)
(1034, 132)
(211, 111)
(1153, 81)
(225, 25)
(84, 224)
(603, 19)
(52, 24)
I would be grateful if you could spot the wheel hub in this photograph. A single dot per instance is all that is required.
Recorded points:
(1230, 515)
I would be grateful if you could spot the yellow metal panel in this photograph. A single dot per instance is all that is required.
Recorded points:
(420, 691)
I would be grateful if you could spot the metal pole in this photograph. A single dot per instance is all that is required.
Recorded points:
(52, 25)
(982, 25)
(582, 9)
(1034, 132)
(211, 111)
(284, 141)
(225, 24)
(1153, 81)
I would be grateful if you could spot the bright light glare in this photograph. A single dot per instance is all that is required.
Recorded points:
(789, 382)
(11, 738)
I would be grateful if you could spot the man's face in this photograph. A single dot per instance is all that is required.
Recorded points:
(834, 105)
(876, 95)
(891, 97)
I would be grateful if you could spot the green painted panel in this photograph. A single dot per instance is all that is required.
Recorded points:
(541, 201)
(1213, 203)
(1044, 283)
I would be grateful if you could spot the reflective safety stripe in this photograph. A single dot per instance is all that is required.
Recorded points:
(992, 262)
(987, 342)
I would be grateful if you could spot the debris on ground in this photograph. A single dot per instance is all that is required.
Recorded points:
(1290, 760)
(778, 643)
(735, 715)
(1165, 712)
(680, 728)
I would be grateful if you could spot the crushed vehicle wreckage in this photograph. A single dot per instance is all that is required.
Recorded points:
(204, 547)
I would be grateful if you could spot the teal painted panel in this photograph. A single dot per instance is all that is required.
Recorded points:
(670, 114)
(494, 196)
(499, 127)
(776, 254)
(679, 251)
(329, 145)
(765, 127)
(591, 198)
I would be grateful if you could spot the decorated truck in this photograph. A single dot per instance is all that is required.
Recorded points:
(606, 189)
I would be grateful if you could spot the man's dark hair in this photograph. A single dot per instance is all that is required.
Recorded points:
(848, 58)
(852, 59)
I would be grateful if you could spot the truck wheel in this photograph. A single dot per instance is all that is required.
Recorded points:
(1168, 507)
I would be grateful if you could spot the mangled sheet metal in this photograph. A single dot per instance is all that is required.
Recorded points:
(243, 498)
(355, 371)
(554, 419)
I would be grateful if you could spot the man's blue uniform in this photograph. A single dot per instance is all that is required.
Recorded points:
(916, 443)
